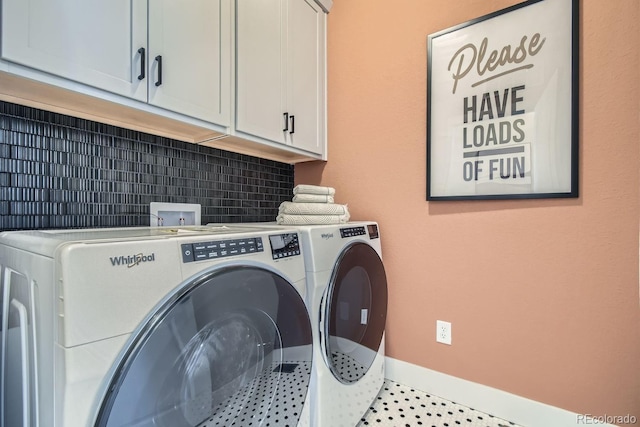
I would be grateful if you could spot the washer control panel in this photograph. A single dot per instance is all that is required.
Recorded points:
(220, 248)
(284, 245)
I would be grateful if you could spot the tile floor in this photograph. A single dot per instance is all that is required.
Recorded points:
(398, 405)
(257, 402)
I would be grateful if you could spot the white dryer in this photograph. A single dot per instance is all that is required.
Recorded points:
(347, 302)
(174, 327)
(347, 299)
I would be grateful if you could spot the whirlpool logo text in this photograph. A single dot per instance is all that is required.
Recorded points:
(132, 260)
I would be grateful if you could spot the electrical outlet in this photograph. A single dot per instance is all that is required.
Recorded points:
(443, 332)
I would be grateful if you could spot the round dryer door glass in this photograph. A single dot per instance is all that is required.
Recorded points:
(355, 312)
(233, 347)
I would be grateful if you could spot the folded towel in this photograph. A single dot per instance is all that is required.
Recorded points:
(293, 208)
(312, 198)
(313, 189)
(287, 219)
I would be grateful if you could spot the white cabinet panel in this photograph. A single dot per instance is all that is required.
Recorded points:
(305, 74)
(94, 42)
(260, 74)
(280, 72)
(103, 43)
(192, 38)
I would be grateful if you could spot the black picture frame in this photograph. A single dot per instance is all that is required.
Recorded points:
(502, 105)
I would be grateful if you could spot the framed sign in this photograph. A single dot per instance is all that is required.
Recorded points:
(502, 105)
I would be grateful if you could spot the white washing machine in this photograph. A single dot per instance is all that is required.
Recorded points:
(347, 301)
(174, 327)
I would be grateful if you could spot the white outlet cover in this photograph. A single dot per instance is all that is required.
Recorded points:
(443, 332)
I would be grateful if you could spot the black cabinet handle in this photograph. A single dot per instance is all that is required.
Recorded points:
(159, 61)
(143, 65)
(293, 123)
(286, 122)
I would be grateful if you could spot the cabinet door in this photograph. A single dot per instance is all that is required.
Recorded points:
(93, 42)
(193, 40)
(306, 74)
(260, 71)
(280, 54)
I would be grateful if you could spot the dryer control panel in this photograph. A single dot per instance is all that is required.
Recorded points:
(220, 248)
(352, 232)
(372, 229)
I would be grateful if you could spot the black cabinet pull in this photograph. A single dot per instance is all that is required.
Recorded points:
(293, 123)
(159, 60)
(286, 122)
(143, 65)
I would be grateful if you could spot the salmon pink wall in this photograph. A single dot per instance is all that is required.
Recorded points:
(542, 294)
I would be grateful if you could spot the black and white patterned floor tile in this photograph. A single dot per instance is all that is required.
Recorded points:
(349, 369)
(402, 406)
(275, 398)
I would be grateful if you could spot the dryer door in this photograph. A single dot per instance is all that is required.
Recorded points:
(355, 312)
(233, 346)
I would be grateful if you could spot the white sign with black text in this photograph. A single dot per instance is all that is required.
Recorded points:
(502, 105)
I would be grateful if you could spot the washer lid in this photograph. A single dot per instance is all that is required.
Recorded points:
(355, 312)
(229, 347)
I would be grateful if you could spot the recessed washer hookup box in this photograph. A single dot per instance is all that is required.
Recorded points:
(170, 214)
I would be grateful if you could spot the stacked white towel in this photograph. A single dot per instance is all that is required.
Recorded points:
(312, 204)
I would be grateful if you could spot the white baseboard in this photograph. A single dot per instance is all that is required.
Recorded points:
(498, 403)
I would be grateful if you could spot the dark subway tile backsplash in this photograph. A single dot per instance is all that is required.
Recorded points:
(58, 171)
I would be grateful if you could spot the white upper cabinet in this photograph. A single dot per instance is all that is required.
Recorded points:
(280, 72)
(92, 42)
(176, 54)
(190, 57)
(243, 75)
